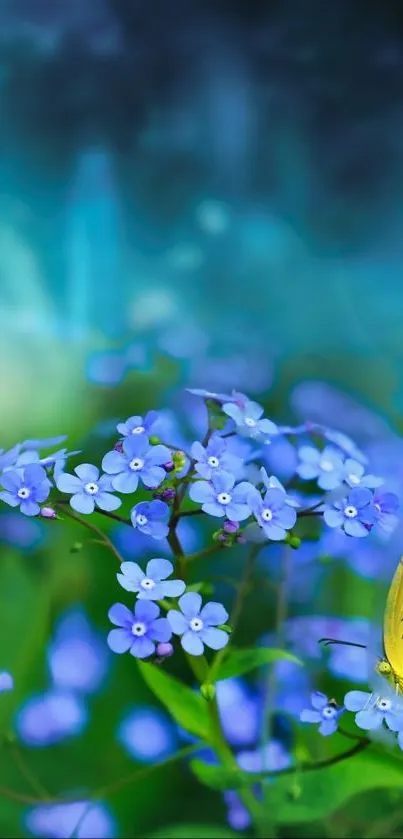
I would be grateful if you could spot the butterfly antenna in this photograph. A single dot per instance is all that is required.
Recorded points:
(328, 641)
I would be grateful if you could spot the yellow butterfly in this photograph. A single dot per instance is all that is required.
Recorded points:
(391, 665)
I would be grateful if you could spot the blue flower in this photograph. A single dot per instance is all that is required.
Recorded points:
(372, 710)
(9, 458)
(77, 656)
(273, 757)
(326, 713)
(138, 425)
(88, 489)
(274, 483)
(153, 584)
(6, 681)
(272, 512)
(247, 418)
(150, 517)
(137, 460)
(341, 440)
(214, 458)
(354, 475)
(386, 506)
(138, 630)
(57, 459)
(80, 819)
(325, 466)
(355, 514)
(26, 488)
(44, 444)
(220, 497)
(197, 625)
(148, 734)
(50, 717)
(219, 397)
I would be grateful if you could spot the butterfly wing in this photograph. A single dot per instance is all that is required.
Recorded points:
(393, 623)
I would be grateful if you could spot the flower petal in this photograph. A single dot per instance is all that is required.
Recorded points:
(201, 492)
(142, 647)
(308, 715)
(318, 700)
(11, 480)
(190, 604)
(153, 476)
(328, 727)
(158, 455)
(355, 700)
(369, 719)
(216, 639)
(177, 621)
(68, 483)
(173, 588)
(113, 463)
(192, 643)
(131, 576)
(126, 482)
(82, 503)
(213, 614)
(159, 569)
(29, 508)
(119, 640)
(160, 630)
(87, 472)
(106, 501)
(10, 499)
(120, 615)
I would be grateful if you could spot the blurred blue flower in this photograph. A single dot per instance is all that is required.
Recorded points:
(292, 687)
(106, 368)
(272, 757)
(9, 458)
(220, 397)
(240, 711)
(372, 710)
(25, 534)
(44, 444)
(26, 488)
(56, 459)
(354, 475)
(219, 497)
(138, 630)
(88, 489)
(148, 735)
(323, 712)
(138, 425)
(151, 584)
(355, 514)
(325, 466)
(214, 458)
(150, 518)
(81, 819)
(137, 460)
(272, 512)
(6, 681)
(237, 815)
(51, 717)
(247, 418)
(386, 506)
(77, 656)
(197, 625)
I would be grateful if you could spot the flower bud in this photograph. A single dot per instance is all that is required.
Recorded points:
(230, 526)
(179, 459)
(154, 440)
(294, 542)
(241, 539)
(76, 547)
(167, 494)
(164, 650)
(48, 513)
(118, 447)
(207, 691)
(169, 466)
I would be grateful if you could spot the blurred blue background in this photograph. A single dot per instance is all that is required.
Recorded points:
(192, 194)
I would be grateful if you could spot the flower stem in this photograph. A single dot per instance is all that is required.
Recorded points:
(94, 529)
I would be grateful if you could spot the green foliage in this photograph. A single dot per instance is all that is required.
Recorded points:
(187, 707)
(239, 662)
(193, 831)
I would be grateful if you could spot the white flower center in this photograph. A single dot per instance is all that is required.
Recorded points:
(224, 498)
(196, 624)
(136, 464)
(139, 429)
(141, 519)
(213, 462)
(326, 465)
(384, 704)
(147, 584)
(354, 479)
(250, 422)
(328, 712)
(24, 493)
(91, 488)
(267, 514)
(139, 629)
(350, 511)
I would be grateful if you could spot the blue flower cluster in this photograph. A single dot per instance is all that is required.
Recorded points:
(372, 712)
(143, 632)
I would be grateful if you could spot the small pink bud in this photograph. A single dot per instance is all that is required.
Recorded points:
(48, 513)
(164, 650)
(230, 526)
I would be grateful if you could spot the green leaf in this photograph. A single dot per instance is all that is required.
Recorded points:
(188, 708)
(322, 792)
(218, 778)
(24, 627)
(193, 831)
(237, 662)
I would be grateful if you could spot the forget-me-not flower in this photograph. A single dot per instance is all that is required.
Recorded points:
(88, 489)
(214, 458)
(138, 460)
(326, 466)
(356, 513)
(150, 518)
(272, 512)
(220, 497)
(273, 483)
(6, 681)
(323, 712)
(386, 506)
(138, 425)
(354, 475)
(372, 710)
(26, 488)
(138, 630)
(151, 584)
(198, 626)
(248, 420)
